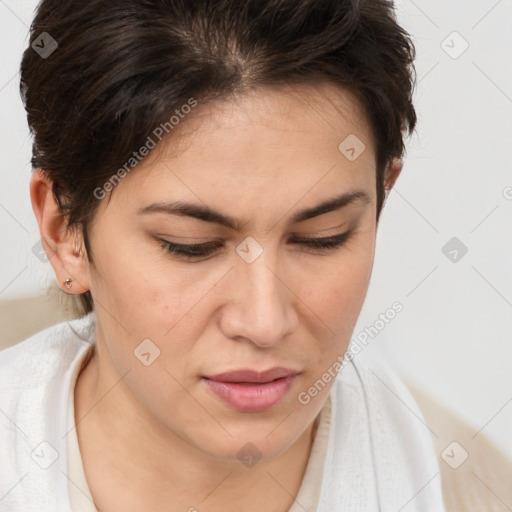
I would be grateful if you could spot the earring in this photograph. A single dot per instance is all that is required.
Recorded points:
(67, 283)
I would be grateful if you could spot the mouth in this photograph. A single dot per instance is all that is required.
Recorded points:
(249, 390)
(252, 376)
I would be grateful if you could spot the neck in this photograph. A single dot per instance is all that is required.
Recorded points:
(146, 466)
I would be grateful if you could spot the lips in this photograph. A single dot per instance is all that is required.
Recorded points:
(249, 390)
(252, 376)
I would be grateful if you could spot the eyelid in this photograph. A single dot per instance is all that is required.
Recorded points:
(335, 228)
(324, 244)
(294, 236)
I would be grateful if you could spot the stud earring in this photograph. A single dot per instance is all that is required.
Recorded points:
(67, 283)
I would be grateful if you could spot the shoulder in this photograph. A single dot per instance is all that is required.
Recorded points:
(382, 388)
(37, 376)
(34, 373)
(475, 473)
(374, 411)
(46, 354)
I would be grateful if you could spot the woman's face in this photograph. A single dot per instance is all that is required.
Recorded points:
(263, 297)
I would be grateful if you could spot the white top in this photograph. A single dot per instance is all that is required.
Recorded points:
(80, 498)
(371, 452)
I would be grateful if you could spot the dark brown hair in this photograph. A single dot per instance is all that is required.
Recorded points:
(122, 68)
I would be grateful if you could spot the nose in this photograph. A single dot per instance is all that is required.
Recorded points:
(260, 305)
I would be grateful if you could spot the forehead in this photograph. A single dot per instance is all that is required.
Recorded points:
(287, 114)
(260, 144)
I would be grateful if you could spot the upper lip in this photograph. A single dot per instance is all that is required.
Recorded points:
(248, 375)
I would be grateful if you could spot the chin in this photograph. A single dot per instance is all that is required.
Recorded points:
(251, 444)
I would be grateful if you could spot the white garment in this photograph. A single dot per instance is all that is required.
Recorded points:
(80, 498)
(379, 456)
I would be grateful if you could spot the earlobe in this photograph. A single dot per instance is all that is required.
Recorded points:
(58, 241)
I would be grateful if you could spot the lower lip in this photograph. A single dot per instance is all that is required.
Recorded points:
(251, 397)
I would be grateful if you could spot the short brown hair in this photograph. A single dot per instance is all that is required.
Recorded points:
(122, 67)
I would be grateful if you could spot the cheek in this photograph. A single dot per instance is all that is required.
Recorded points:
(348, 287)
(153, 298)
(336, 292)
(334, 296)
(137, 285)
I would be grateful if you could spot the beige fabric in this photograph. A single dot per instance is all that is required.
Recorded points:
(483, 482)
(22, 317)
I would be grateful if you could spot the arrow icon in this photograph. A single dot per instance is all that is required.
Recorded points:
(454, 455)
(454, 45)
(454, 249)
(146, 352)
(44, 45)
(249, 455)
(44, 455)
(351, 147)
(249, 252)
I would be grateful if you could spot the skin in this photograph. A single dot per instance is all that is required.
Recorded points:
(155, 437)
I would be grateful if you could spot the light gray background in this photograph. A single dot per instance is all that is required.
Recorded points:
(453, 337)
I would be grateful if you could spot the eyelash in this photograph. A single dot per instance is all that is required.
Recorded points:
(328, 243)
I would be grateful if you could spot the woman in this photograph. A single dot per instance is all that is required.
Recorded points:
(208, 181)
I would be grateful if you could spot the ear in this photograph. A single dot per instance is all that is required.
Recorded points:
(392, 172)
(64, 248)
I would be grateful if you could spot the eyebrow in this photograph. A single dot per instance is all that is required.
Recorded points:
(207, 214)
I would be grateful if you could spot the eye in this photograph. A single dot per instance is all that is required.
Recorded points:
(325, 243)
(191, 250)
(206, 249)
